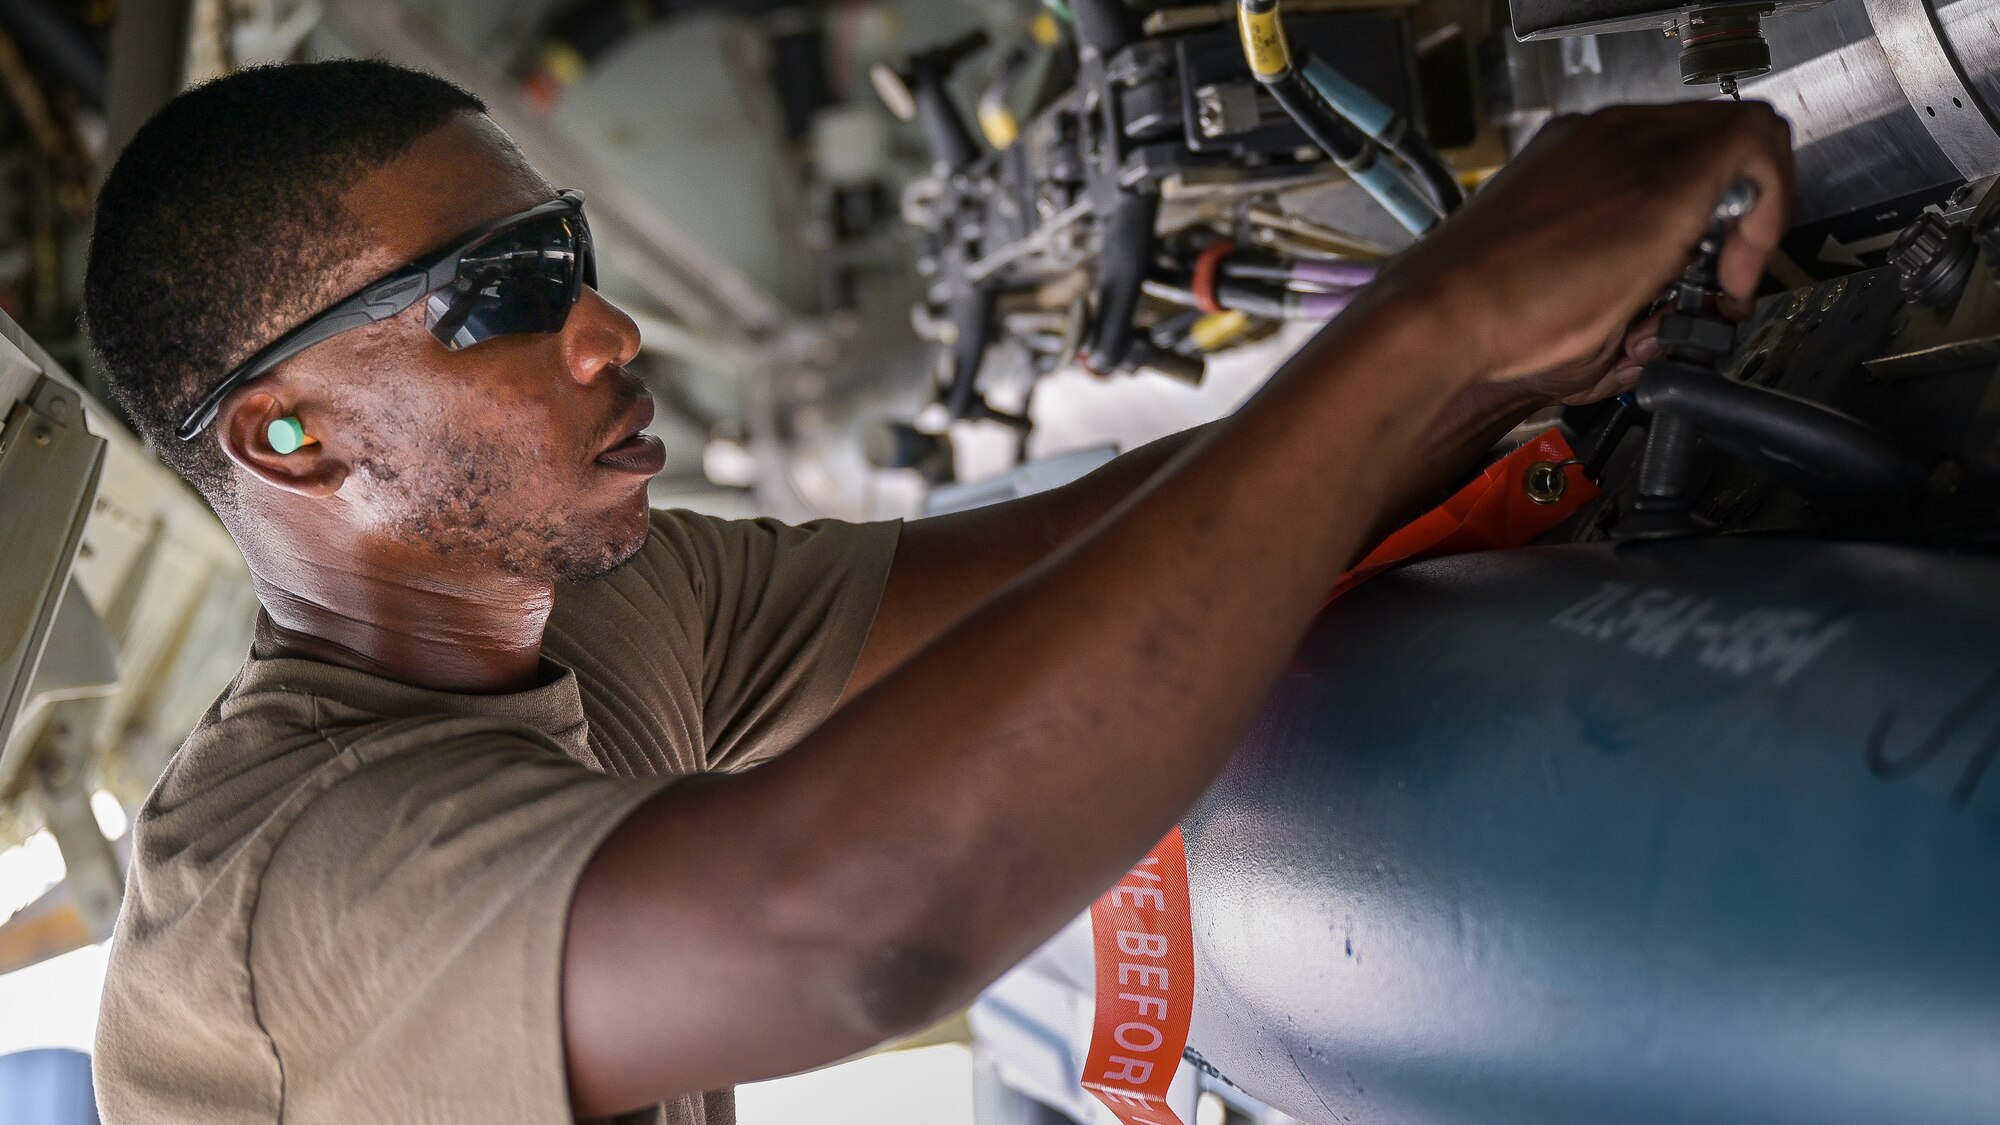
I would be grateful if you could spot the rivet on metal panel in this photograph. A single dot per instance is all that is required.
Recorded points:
(1833, 294)
(1935, 85)
(1799, 304)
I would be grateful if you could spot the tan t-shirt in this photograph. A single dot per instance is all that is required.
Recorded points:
(348, 896)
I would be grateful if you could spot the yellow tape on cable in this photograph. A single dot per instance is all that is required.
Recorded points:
(1218, 330)
(1264, 42)
(999, 125)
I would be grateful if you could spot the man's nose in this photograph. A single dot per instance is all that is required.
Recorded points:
(598, 335)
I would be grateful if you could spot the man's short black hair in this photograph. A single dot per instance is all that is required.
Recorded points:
(219, 222)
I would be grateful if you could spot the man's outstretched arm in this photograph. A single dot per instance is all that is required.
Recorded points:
(980, 794)
(946, 565)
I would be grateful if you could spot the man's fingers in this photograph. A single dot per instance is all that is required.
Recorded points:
(1766, 160)
(1642, 340)
(1614, 383)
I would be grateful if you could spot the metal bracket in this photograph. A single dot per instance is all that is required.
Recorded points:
(1934, 82)
(49, 464)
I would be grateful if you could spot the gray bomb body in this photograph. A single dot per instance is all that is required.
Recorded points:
(1686, 832)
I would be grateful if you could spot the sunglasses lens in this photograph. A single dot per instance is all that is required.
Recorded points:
(522, 279)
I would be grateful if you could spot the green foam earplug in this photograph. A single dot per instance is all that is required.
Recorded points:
(288, 435)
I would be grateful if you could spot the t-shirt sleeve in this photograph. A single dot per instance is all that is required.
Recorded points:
(407, 936)
(784, 611)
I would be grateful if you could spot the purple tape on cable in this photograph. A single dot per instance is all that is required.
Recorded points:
(1322, 306)
(1339, 275)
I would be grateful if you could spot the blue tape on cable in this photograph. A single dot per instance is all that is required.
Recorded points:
(1359, 106)
(1410, 209)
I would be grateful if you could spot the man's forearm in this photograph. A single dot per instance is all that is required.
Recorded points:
(947, 565)
(1466, 432)
(1117, 674)
(984, 791)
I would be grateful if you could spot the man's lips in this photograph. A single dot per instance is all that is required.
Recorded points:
(636, 451)
(642, 454)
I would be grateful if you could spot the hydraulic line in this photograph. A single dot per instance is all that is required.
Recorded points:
(1308, 275)
(1271, 63)
(996, 118)
(1359, 157)
(1386, 127)
(1265, 302)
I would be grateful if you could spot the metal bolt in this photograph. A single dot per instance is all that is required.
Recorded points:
(1799, 304)
(1210, 115)
(1545, 482)
(1834, 293)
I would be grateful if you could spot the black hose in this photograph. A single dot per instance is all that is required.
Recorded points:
(1347, 145)
(1264, 302)
(1126, 250)
(1827, 456)
(971, 315)
(1431, 169)
(1105, 26)
(927, 75)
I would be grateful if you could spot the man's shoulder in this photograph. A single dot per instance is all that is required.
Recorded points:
(180, 1034)
(335, 900)
(263, 757)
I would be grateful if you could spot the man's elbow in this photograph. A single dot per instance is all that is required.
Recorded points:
(891, 991)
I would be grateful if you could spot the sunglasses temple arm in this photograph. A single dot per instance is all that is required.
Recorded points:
(305, 336)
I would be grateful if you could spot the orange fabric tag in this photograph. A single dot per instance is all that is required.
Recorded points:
(1143, 934)
(1142, 930)
(1491, 513)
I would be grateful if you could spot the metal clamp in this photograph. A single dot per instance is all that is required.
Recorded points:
(1945, 104)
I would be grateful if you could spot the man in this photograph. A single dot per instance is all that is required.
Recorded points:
(472, 838)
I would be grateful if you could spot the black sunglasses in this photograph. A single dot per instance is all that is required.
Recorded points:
(521, 273)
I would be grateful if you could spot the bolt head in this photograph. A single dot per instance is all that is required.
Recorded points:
(1934, 257)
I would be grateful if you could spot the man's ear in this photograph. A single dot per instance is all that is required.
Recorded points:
(244, 429)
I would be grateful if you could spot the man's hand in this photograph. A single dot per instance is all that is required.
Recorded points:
(1543, 277)
(969, 802)
(1544, 273)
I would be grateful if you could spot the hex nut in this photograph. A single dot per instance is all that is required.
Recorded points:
(1545, 482)
(1697, 335)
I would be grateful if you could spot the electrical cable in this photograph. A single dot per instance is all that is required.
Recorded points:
(1314, 274)
(1206, 267)
(1271, 63)
(1265, 302)
(1386, 127)
(996, 117)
